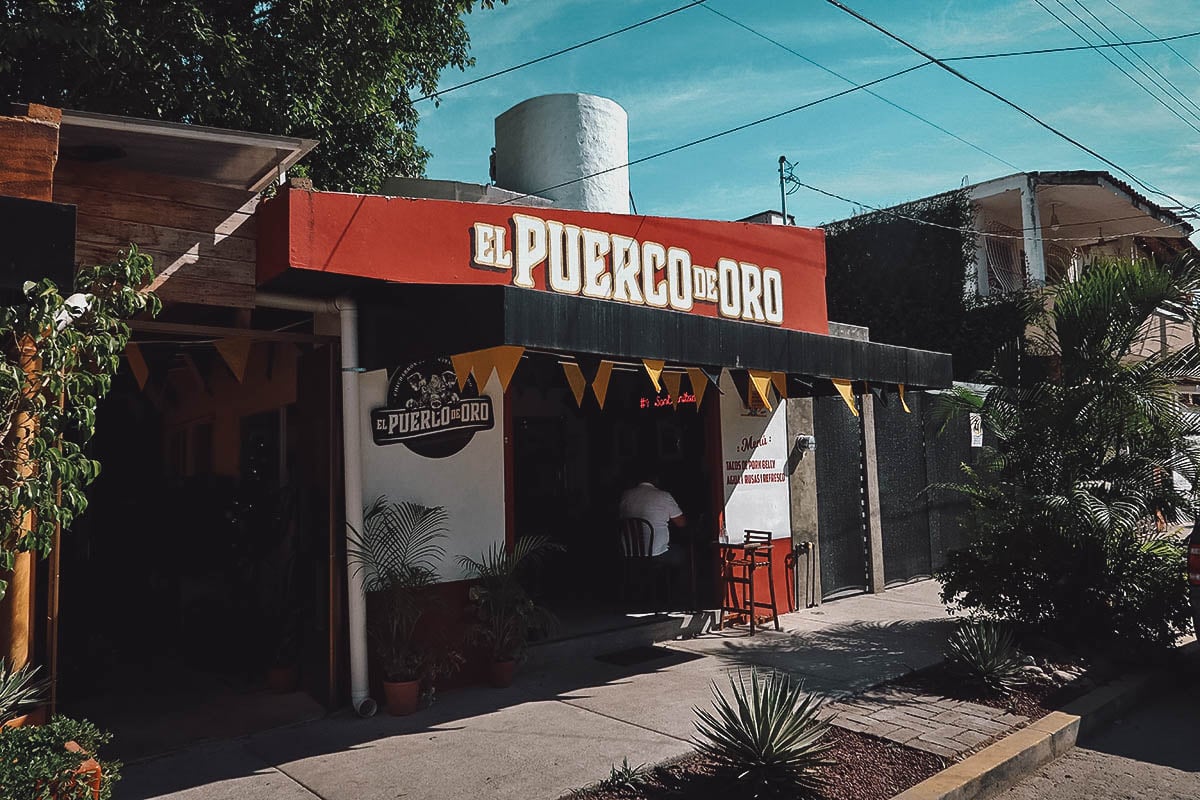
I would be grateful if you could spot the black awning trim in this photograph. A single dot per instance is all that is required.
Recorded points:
(580, 325)
(403, 323)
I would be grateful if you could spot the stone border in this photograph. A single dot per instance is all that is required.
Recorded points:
(1002, 764)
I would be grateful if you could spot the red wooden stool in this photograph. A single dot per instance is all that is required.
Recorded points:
(739, 562)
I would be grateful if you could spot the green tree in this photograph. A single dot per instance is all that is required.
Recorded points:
(1068, 500)
(58, 355)
(335, 70)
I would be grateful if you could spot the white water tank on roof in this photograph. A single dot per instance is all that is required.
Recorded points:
(570, 148)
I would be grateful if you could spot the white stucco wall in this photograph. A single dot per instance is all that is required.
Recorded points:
(754, 451)
(468, 484)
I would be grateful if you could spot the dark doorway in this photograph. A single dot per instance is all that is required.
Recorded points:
(204, 552)
(571, 464)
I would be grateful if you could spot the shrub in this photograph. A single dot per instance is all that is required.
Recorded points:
(983, 653)
(1086, 436)
(35, 763)
(769, 737)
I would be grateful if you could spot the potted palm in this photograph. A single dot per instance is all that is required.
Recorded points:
(505, 614)
(396, 553)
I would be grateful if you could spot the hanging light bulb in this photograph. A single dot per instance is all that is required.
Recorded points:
(1054, 223)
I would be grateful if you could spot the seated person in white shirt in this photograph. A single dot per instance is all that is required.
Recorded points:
(646, 501)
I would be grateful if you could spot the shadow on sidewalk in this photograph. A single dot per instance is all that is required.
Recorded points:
(838, 660)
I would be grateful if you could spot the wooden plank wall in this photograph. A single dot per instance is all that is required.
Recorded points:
(202, 236)
(28, 148)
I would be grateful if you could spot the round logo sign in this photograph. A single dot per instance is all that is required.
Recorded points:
(428, 413)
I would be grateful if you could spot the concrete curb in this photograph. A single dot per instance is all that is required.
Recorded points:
(1005, 762)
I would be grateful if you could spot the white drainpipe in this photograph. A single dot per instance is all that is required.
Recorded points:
(356, 603)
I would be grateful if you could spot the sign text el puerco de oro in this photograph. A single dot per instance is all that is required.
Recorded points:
(609, 266)
(428, 413)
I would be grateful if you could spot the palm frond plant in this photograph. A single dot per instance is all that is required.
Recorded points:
(984, 654)
(397, 553)
(1085, 436)
(505, 614)
(769, 737)
(20, 690)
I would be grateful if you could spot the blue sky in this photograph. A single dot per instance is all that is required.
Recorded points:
(694, 73)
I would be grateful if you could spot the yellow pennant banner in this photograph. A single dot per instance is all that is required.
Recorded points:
(847, 392)
(137, 364)
(654, 368)
(673, 380)
(463, 364)
(903, 404)
(600, 382)
(502, 360)
(761, 381)
(699, 383)
(779, 379)
(236, 353)
(505, 359)
(575, 378)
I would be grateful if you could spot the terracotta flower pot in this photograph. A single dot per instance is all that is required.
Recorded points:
(402, 696)
(17, 722)
(89, 771)
(500, 673)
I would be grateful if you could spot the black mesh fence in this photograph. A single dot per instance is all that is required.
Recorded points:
(841, 526)
(947, 448)
(903, 508)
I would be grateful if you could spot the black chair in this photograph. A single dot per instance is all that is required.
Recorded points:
(636, 540)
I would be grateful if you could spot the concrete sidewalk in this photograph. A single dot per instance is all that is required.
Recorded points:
(555, 729)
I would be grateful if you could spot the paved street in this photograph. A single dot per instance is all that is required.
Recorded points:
(1153, 754)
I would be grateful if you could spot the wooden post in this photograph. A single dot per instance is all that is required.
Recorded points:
(28, 155)
(17, 610)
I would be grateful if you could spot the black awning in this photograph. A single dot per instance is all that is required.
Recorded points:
(398, 324)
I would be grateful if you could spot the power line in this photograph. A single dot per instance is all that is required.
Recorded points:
(1031, 116)
(1163, 82)
(967, 229)
(719, 134)
(876, 95)
(1152, 33)
(1075, 48)
(1113, 63)
(557, 53)
(665, 14)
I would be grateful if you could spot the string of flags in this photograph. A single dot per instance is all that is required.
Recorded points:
(234, 352)
(755, 387)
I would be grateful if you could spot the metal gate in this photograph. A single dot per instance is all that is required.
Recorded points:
(841, 527)
(903, 505)
(947, 448)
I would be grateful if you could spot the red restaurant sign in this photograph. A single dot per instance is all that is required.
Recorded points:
(766, 274)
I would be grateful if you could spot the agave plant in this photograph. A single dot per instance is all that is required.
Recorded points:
(505, 613)
(397, 553)
(19, 690)
(769, 736)
(626, 777)
(982, 652)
